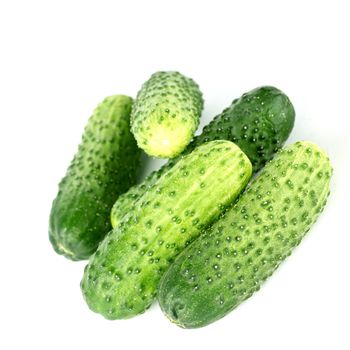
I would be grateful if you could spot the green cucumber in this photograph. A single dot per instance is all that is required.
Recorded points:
(235, 255)
(166, 114)
(103, 168)
(122, 277)
(259, 123)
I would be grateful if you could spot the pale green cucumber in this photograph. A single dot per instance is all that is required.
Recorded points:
(166, 114)
(122, 277)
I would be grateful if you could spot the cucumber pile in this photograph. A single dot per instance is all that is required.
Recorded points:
(204, 231)
(259, 122)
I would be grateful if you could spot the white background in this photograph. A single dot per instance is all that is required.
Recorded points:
(60, 58)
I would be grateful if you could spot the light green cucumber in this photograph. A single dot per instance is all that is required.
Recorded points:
(104, 167)
(259, 122)
(122, 277)
(166, 114)
(236, 254)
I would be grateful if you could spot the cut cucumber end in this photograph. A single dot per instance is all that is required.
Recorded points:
(167, 142)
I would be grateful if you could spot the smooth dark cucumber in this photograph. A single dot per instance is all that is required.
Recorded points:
(235, 255)
(259, 123)
(103, 168)
(122, 277)
(166, 114)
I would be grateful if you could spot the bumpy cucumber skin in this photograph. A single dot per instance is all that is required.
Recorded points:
(103, 168)
(122, 277)
(166, 114)
(259, 123)
(235, 255)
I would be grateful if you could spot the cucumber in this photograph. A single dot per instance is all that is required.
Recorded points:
(103, 168)
(166, 114)
(235, 255)
(259, 123)
(122, 277)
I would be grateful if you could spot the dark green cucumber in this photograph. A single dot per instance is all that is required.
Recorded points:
(234, 256)
(259, 123)
(166, 114)
(122, 277)
(103, 168)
